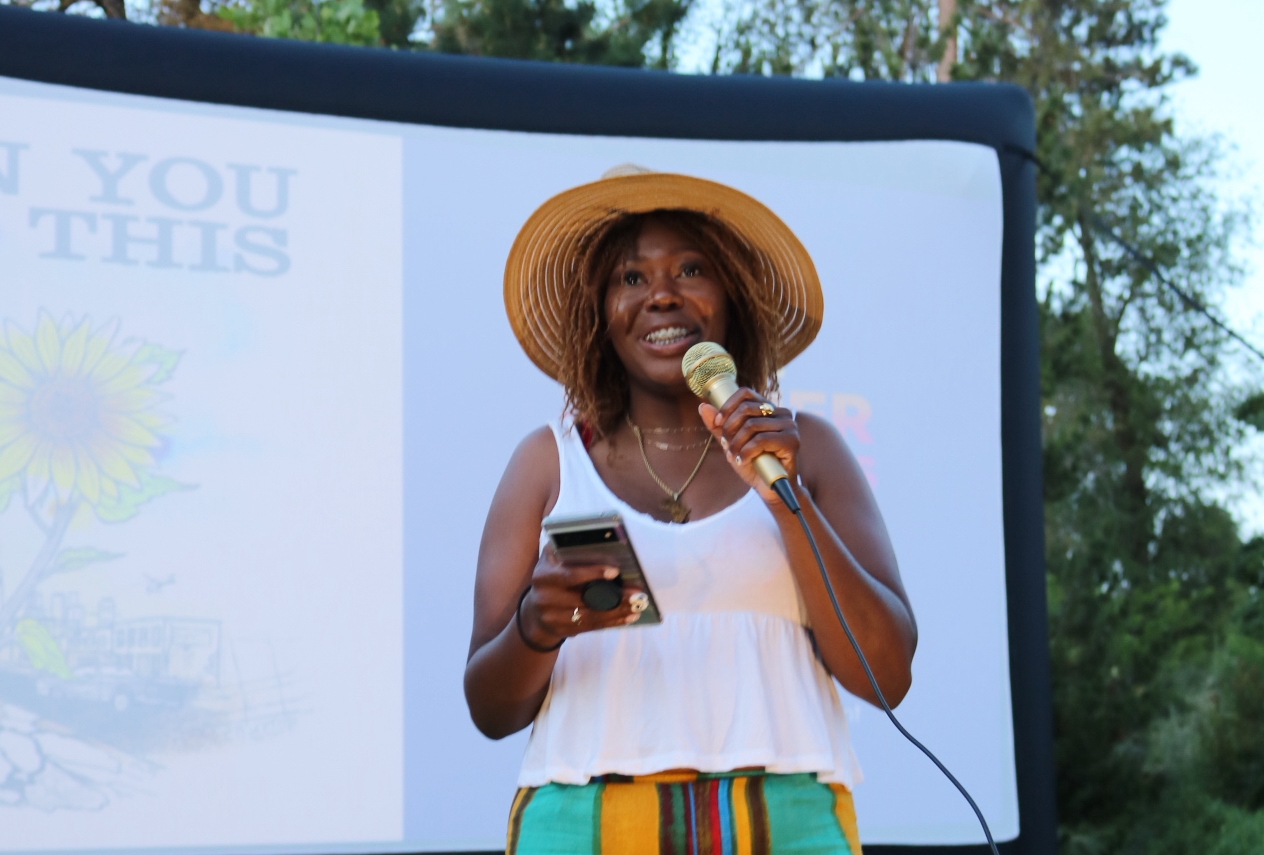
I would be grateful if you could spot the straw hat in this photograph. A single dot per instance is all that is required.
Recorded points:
(544, 258)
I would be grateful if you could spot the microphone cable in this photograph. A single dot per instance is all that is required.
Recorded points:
(786, 492)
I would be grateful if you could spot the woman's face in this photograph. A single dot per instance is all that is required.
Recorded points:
(661, 299)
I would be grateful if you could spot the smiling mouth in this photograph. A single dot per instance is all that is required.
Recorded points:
(668, 336)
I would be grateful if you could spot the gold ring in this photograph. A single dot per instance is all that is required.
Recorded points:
(575, 616)
(767, 409)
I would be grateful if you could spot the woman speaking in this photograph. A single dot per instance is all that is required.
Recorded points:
(718, 730)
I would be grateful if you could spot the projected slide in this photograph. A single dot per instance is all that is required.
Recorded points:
(257, 389)
(200, 518)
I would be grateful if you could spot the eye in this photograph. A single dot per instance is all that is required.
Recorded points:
(690, 269)
(631, 277)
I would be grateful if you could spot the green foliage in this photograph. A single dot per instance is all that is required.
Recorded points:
(397, 19)
(1231, 728)
(535, 29)
(560, 30)
(1251, 411)
(347, 22)
(864, 39)
(1144, 565)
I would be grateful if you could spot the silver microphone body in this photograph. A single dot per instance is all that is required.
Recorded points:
(712, 375)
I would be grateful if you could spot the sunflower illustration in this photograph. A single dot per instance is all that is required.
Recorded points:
(77, 411)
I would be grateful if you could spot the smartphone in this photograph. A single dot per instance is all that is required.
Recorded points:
(602, 539)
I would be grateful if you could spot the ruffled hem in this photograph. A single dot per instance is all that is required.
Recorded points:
(711, 691)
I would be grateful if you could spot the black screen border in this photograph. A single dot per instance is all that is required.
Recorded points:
(436, 89)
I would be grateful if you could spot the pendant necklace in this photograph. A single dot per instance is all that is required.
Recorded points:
(676, 509)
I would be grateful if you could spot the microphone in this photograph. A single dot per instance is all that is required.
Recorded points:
(712, 375)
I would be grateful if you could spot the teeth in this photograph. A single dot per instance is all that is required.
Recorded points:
(668, 335)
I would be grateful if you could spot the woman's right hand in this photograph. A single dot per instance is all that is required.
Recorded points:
(556, 597)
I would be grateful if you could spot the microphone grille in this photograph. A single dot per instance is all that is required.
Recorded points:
(703, 362)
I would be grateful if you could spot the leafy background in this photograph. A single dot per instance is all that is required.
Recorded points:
(1151, 409)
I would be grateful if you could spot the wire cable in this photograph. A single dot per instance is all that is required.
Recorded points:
(1102, 227)
(1190, 301)
(786, 492)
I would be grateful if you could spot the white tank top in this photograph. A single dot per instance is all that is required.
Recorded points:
(729, 679)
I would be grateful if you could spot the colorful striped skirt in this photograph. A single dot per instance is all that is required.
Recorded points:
(687, 813)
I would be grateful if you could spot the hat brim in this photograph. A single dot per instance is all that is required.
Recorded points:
(543, 261)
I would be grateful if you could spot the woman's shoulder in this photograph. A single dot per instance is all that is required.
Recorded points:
(824, 458)
(812, 421)
(537, 452)
(539, 439)
(532, 474)
(818, 431)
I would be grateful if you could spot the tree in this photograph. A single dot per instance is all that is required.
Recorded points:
(1145, 566)
(560, 30)
(897, 40)
(353, 22)
(397, 19)
(109, 8)
(339, 21)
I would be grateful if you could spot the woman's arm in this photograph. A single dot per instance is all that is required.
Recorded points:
(844, 518)
(505, 680)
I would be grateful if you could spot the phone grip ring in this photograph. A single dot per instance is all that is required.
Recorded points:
(602, 595)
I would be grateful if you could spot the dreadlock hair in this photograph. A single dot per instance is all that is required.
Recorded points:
(595, 380)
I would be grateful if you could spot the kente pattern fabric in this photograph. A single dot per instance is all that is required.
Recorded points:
(681, 814)
(729, 680)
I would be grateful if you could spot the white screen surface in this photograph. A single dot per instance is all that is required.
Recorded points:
(287, 615)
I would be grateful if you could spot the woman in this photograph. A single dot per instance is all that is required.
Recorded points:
(719, 729)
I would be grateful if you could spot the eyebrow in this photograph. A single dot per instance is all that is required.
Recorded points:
(632, 255)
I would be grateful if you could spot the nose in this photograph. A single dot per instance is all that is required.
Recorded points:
(663, 293)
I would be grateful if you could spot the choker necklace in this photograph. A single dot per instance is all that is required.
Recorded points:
(667, 446)
(692, 429)
(676, 509)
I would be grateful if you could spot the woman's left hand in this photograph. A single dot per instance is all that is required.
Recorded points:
(745, 429)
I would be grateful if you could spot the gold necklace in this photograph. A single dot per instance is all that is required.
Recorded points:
(667, 446)
(676, 509)
(691, 429)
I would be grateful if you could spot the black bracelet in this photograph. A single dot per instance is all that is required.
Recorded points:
(521, 634)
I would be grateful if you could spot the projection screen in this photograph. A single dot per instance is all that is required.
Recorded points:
(257, 388)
